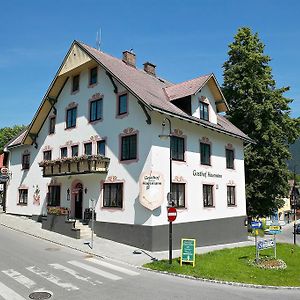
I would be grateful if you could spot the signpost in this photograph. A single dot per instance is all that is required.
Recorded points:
(188, 247)
(256, 225)
(172, 214)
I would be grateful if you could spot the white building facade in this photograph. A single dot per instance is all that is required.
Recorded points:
(95, 137)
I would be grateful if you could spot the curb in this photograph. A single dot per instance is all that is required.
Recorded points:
(232, 283)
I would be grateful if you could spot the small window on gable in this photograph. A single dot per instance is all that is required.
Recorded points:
(47, 155)
(75, 83)
(63, 152)
(23, 196)
(25, 161)
(122, 104)
(101, 147)
(93, 76)
(88, 148)
(96, 110)
(74, 150)
(204, 114)
(71, 117)
(52, 125)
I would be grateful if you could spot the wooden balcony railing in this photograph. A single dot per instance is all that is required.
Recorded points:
(85, 164)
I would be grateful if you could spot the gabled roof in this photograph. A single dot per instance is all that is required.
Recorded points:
(155, 93)
(17, 140)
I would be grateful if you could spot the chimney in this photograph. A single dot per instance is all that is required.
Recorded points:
(149, 68)
(129, 58)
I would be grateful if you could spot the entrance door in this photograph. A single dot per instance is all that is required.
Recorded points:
(78, 201)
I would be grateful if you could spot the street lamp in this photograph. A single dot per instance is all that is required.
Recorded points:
(164, 137)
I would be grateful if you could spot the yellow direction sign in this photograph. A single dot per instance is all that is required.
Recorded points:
(275, 227)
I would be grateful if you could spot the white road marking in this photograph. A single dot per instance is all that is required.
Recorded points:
(8, 294)
(113, 267)
(94, 270)
(20, 278)
(73, 273)
(52, 278)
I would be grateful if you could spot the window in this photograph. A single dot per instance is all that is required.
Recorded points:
(205, 154)
(178, 194)
(204, 111)
(71, 117)
(74, 150)
(63, 152)
(23, 196)
(230, 195)
(25, 161)
(113, 195)
(229, 159)
(88, 148)
(95, 110)
(122, 104)
(177, 148)
(52, 125)
(101, 148)
(208, 200)
(75, 84)
(129, 147)
(53, 195)
(47, 155)
(93, 76)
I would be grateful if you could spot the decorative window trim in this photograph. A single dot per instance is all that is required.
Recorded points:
(213, 195)
(206, 141)
(91, 85)
(104, 139)
(83, 147)
(51, 117)
(121, 116)
(231, 185)
(111, 180)
(95, 97)
(129, 132)
(22, 187)
(229, 146)
(179, 133)
(74, 144)
(70, 106)
(46, 150)
(61, 147)
(72, 82)
(181, 180)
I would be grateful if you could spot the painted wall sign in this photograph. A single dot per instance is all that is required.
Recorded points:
(188, 247)
(151, 189)
(206, 174)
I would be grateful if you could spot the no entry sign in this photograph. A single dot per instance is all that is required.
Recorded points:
(172, 214)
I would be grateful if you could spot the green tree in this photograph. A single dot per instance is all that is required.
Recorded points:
(260, 110)
(8, 133)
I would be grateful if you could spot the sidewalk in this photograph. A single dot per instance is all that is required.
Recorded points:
(102, 247)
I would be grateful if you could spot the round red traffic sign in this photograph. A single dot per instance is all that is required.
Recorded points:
(172, 214)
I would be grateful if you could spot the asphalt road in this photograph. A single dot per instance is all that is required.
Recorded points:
(28, 264)
(287, 235)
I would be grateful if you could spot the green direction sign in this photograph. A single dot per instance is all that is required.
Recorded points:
(188, 251)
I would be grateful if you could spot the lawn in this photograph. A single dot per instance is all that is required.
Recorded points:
(233, 265)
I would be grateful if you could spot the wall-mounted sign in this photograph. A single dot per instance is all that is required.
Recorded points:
(206, 174)
(151, 189)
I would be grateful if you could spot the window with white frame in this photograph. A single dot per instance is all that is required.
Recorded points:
(23, 196)
(178, 194)
(208, 198)
(231, 195)
(113, 195)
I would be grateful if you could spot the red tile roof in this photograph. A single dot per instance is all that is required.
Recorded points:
(186, 88)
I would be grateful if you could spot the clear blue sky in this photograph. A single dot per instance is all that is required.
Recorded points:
(185, 39)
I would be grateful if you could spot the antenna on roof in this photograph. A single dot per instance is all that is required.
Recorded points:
(98, 39)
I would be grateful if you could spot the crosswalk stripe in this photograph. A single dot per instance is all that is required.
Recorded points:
(94, 270)
(20, 278)
(73, 273)
(8, 294)
(52, 278)
(113, 267)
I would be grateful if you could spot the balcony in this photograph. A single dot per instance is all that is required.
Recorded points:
(85, 164)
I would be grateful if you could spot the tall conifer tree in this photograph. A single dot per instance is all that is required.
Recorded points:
(260, 110)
